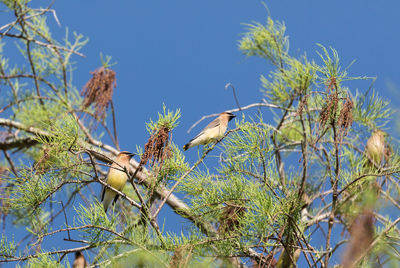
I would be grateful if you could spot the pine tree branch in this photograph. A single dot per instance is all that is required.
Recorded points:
(261, 104)
(18, 143)
(177, 205)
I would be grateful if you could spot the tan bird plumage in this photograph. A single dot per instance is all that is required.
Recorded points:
(80, 261)
(375, 148)
(212, 132)
(116, 178)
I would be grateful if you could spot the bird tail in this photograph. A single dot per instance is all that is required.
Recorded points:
(186, 146)
(191, 143)
(108, 198)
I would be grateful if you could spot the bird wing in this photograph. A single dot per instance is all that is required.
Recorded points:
(215, 123)
(104, 188)
(102, 193)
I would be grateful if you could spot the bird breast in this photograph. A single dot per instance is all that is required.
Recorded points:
(216, 132)
(375, 149)
(117, 179)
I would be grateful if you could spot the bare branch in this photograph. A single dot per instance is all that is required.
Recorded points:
(262, 104)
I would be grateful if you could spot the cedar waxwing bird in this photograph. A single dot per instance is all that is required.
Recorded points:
(212, 132)
(80, 261)
(116, 178)
(375, 148)
(285, 261)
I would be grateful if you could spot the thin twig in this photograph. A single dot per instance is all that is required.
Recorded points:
(114, 126)
(261, 104)
(229, 85)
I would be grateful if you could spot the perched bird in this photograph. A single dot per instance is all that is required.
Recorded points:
(116, 178)
(375, 148)
(212, 132)
(80, 261)
(285, 261)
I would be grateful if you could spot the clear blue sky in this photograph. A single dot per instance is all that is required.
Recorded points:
(182, 53)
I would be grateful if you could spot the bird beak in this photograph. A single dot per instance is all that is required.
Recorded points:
(131, 154)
